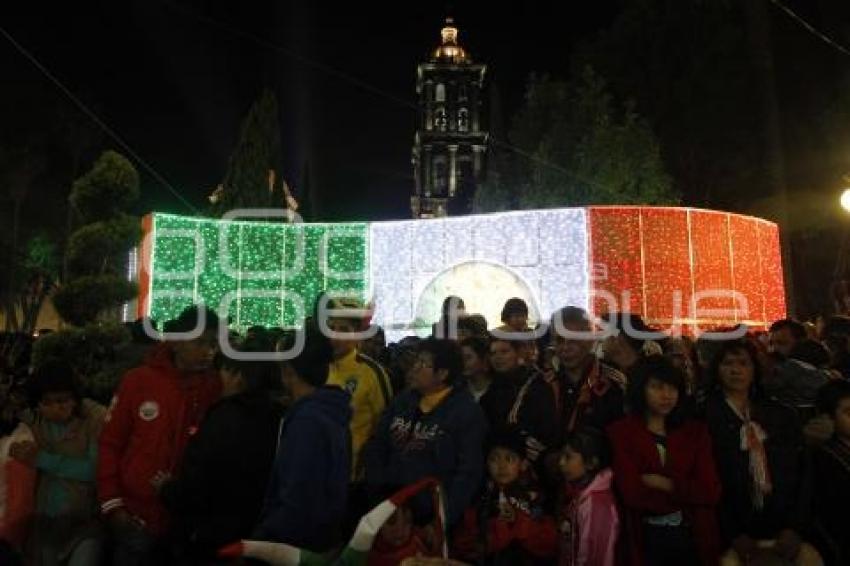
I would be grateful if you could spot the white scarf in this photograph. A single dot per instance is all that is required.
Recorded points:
(752, 440)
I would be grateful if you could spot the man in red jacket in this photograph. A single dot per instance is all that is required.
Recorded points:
(155, 411)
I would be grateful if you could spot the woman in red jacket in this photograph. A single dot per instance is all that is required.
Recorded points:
(664, 471)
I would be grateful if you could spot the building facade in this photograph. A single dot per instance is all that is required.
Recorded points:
(450, 143)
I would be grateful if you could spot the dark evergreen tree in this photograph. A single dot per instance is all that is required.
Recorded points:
(570, 145)
(258, 150)
(96, 255)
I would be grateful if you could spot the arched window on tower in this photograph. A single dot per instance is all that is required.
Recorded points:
(463, 120)
(441, 177)
(461, 93)
(440, 119)
(440, 93)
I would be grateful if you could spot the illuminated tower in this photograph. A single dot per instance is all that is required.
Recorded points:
(449, 145)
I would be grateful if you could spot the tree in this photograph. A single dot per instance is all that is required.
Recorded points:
(36, 269)
(492, 196)
(571, 145)
(257, 151)
(20, 167)
(96, 254)
(728, 88)
(684, 64)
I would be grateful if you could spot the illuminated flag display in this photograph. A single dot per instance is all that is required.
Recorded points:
(698, 268)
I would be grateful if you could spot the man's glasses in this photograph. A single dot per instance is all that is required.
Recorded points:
(422, 363)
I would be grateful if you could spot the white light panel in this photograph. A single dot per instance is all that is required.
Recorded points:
(540, 256)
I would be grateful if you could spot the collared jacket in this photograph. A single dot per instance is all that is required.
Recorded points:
(155, 411)
(526, 536)
(690, 466)
(596, 401)
(786, 506)
(521, 399)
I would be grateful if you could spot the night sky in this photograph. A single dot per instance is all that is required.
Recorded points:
(174, 80)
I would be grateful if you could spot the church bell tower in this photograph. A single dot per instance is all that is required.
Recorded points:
(449, 146)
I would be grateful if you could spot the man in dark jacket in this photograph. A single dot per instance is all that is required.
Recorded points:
(435, 428)
(590, 393)
(519, 398)
(219, 492)
(306, 498)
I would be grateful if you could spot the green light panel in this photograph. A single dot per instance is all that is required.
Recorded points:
(264, 260)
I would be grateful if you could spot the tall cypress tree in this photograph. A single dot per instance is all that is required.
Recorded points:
(257, 151)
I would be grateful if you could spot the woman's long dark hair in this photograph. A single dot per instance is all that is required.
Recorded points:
(660, 368)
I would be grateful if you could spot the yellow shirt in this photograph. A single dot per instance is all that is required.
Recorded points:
(429, 402)
(370, 390)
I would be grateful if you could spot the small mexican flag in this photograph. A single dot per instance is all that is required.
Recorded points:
(357, 551)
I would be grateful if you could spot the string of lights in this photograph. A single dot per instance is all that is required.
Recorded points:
(810, 28)
(88, 112)
(209, 260)
(671, 264)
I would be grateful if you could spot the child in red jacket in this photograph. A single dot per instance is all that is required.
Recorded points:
(507, 525)
(664, 471)
(398, 539)
(155, 411)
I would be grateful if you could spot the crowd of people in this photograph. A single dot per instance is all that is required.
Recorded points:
(551, 445)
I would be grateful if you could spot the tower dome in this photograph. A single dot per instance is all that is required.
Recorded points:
(449, 50)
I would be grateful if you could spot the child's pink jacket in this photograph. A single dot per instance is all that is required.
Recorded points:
(592, 525)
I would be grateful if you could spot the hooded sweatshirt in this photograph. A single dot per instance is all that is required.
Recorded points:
(152, 416)
(306, 498)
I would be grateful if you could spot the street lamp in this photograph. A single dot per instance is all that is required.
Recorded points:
(838, 284)
(845, 200)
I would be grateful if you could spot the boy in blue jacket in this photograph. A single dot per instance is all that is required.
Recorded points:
(306, 498)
